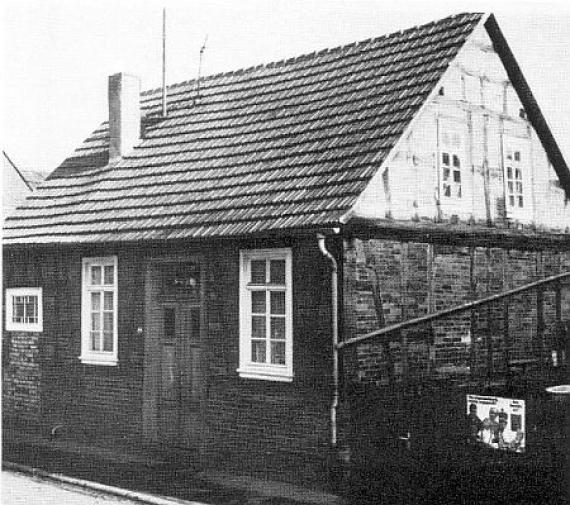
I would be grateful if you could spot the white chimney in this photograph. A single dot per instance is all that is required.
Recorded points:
(124, 114)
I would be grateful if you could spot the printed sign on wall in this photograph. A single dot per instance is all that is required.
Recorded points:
(496, 422)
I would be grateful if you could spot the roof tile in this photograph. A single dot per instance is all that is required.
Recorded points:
(283, 145)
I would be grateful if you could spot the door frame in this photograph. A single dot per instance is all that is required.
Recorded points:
(152, 342)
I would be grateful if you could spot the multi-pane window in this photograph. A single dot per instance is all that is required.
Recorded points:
(451, 161)
(265, 314)
(514, 179)
(99, 311)
(24, 309)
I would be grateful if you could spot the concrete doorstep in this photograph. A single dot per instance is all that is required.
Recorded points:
(95, 486)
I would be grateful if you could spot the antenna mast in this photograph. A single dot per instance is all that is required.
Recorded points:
(202, 49)
(164, 103)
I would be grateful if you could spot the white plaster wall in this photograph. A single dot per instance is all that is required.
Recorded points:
(480, 104)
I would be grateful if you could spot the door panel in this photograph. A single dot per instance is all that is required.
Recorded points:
(181, 377)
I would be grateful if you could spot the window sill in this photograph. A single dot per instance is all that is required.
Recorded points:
(24, 328)
(95, 360)
(268, 375)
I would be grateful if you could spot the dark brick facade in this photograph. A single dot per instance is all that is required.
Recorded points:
(275, 429)
(21, 377)
(388, 281)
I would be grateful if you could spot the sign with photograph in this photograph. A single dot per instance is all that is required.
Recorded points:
(496, 422)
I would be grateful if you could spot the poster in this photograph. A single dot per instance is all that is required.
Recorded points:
(496, 422)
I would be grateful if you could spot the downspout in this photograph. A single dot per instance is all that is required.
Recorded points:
(334, 289)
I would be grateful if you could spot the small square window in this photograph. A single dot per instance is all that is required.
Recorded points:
(24, 311)
(445, 158)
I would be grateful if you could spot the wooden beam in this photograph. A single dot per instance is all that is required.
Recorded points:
(473, 289)
(540, 324)
(454, 310)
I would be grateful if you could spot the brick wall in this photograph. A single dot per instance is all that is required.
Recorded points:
(388, 281)
(21, 377)
(274, 429)
(88, 400)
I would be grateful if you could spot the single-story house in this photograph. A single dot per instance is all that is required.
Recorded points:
(194, 279)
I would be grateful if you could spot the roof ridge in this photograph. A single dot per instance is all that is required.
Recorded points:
(306, 56)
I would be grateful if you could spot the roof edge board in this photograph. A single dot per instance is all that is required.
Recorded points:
(17, 171)
(535, 116)
(353, 212)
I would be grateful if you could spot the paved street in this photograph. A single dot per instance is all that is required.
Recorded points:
(20, 489)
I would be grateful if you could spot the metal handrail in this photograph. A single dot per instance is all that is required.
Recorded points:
(453, 310)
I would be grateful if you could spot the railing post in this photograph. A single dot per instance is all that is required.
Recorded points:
(540, 324)
(403, 338)
(473, 288)
(558, 302)
(472, 354)
(507, 341)
(489, 337)
(390, 361)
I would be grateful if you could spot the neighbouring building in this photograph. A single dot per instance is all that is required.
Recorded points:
(17, 184)
(181, 279)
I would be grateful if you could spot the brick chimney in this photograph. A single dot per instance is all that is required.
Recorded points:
(124, 114)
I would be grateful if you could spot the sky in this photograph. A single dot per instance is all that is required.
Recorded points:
(56, 55)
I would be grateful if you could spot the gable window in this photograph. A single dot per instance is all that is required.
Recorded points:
(514, 179)
(24, 311)
(451, 166)
(516, 173)
(99, 334)
(266, 332)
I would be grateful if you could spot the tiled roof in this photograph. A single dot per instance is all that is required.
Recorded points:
(285, 145)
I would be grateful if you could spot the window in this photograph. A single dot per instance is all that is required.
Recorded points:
(517, 166)
(99, 311)
(514, 179)
(451, 161)
(266, 333)
(24, 311)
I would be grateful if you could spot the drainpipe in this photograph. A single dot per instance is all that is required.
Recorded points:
(334, 289)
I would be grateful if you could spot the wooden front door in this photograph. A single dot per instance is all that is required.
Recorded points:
(173, 376)
(180, 375)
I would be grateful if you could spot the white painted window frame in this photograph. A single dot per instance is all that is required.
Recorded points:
(88, 355)
(522, 145)
(451, 127)
(11, 325)
(247, 368)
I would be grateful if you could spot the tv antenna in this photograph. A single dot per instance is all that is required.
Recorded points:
(202, 49)
(164, 100)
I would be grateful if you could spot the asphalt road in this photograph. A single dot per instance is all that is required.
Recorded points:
(20, 489)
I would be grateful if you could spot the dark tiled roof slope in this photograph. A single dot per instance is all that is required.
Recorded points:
(284, 145)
